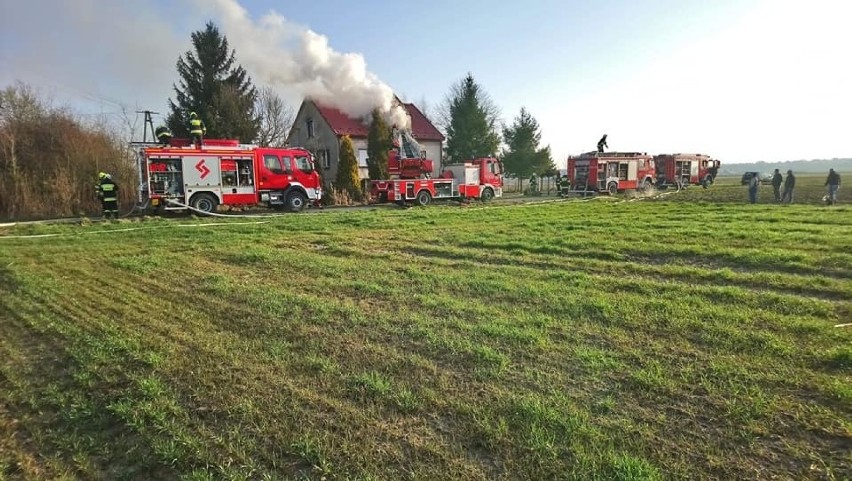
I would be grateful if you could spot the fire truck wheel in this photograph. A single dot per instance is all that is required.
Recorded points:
(423, 198)
(296, 201)
(487, 194)
(612, 188)
(203, 202)
(646, 186)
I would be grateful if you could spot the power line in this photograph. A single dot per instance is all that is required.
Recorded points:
(68, 88)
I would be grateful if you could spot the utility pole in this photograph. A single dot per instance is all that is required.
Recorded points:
(148, 121)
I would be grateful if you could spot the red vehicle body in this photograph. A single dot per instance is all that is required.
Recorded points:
(408, 168)
(476, 179)
(610, 172)
(685, 169)
(223, 172)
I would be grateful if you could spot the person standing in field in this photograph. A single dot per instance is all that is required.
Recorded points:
(753, 185)
(776, 185)
(833, 183)
(789, 185)
(107, 191)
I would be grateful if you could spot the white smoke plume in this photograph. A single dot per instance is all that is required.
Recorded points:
(282, 54)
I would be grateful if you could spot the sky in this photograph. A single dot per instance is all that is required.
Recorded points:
(741, 80)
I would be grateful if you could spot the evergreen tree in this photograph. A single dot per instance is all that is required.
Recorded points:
(470, 119)
(348, 178)
(523, 156)
(216, 88)
(379, 142)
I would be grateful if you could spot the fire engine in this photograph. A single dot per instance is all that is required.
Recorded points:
(610, 172)
(411, 178)
(685, 169)
(225, 172)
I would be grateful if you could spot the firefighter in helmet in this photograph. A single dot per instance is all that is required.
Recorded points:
(196, 129)
(533, 184)
(558, 184)
(164, 135)
(107, 191)
(602, 144)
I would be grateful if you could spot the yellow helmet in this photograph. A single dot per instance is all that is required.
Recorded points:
(102, 175)
(193, 114)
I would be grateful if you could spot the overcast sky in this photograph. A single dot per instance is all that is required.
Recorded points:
(740, 80)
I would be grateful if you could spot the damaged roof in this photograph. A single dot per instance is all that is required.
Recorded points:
(342, 124)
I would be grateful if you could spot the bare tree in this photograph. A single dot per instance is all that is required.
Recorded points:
(428, 110)
(275, 116)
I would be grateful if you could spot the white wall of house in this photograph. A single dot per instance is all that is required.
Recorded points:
(360, 146)
(434, 152)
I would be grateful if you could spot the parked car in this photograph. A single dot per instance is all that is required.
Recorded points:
(764, 178)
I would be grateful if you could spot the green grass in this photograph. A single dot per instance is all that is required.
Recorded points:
(689, 337)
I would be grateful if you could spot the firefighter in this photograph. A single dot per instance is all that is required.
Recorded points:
(533, 184)
(558, 184)
(197, 130)
(164, 135)
(776, 184)
(602, 144)
(107, 191)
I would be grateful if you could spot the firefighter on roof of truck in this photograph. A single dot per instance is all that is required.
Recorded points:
(107, 191)
(196, 129)
(164, 135)
(602, 144)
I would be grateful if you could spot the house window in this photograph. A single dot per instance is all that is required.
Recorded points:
(362, 158)
(310, 126)
(324, 159)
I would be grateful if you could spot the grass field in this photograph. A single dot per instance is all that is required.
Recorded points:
(690, 337)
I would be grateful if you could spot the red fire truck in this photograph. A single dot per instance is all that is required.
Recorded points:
(685, 169)
(411, 177)
(610, 172)
(477, 179)
(224, 172)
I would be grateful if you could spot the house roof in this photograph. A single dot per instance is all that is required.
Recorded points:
(421, 127)
(342, 124)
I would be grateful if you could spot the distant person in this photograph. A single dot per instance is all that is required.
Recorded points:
(164, 135)
(602, 144)
(776, 185)
(107, 191)
(558, 183)
(789, 185)
(833, 183)
(533, 184)
(753, 185)
(197, 130)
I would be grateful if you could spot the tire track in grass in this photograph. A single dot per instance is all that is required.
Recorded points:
(97, 295)
(83, 434)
